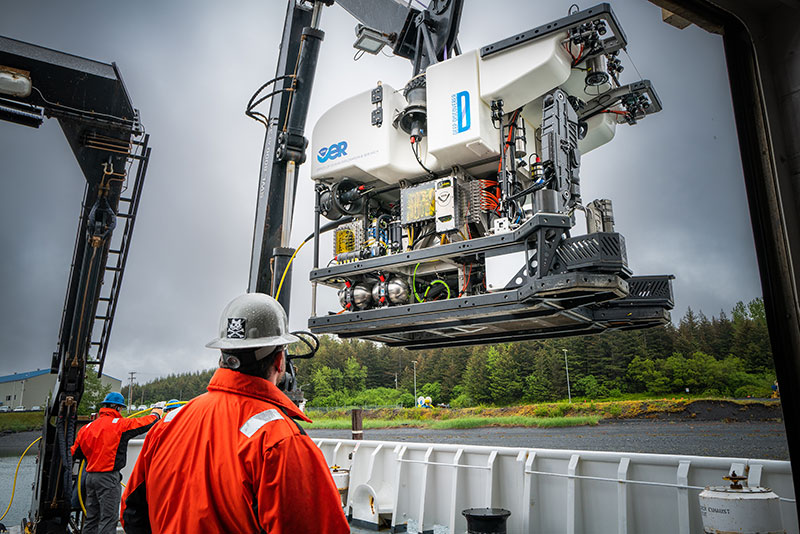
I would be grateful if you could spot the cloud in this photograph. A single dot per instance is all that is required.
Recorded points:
(190, 68)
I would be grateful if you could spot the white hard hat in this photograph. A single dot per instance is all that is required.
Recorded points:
(251, 321)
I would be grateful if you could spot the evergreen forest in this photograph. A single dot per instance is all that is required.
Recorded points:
(722, 356)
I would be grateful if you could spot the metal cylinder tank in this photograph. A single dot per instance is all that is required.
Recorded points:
(741, 510)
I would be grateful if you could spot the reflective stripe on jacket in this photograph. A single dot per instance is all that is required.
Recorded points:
(232, 460)
(104, 441)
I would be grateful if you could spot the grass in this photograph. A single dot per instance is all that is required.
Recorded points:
(341, 423)
(545, 415)
(20, 421)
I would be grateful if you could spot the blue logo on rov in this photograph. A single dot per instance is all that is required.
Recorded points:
(460, 112)
(334, 151)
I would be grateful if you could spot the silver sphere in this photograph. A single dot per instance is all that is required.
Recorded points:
(398, 291)
(376, 294)
(362, 296)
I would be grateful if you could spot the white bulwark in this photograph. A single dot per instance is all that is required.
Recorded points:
(424, 487)
(31, 389)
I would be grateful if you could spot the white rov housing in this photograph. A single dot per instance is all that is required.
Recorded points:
(459, 94)
(345, 144)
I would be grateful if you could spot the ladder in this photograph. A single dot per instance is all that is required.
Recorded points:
(138, 156)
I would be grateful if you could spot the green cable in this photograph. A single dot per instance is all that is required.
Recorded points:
(437, 282)
(425, 295)
(414, 283)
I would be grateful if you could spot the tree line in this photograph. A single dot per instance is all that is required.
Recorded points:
(182, 386)
(720, 356)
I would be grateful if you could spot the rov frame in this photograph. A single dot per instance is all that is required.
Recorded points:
(593, 292)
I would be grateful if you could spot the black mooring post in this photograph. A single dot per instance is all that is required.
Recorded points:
(486, 520)
(357, 423)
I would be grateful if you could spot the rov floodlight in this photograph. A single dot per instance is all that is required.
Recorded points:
(369, 40)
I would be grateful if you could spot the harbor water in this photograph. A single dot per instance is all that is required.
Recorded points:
(24, 489)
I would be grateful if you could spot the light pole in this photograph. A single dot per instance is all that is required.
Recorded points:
(415, 381)
(130, 389)
(566, 365)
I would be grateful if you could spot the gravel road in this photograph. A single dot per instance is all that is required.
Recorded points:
(752, 439)
(765, 440)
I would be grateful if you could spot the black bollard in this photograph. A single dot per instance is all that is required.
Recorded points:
(486, 520)
(358, 423)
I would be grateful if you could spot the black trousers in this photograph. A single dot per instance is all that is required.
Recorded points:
(103, 491)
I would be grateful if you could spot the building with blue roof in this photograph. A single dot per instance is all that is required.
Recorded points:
(30, 389)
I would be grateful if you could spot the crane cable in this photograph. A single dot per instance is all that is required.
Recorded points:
(16, 472)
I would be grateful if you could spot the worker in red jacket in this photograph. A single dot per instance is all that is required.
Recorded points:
(103, 443)
(234, 459)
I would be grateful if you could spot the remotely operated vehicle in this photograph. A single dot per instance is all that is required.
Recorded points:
(453, 199)
(463, 186)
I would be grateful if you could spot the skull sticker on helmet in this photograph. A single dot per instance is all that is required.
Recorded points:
(252, 321)
(236, 327)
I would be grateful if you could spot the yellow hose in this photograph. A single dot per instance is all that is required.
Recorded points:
(14, 486)
(181, 402)
(286, 270)
(80, 495)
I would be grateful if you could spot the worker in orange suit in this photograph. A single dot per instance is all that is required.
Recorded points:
(103, 443)
(234, 459)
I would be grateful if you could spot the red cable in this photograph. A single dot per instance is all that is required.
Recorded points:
(508, 140)
(466, 284)
(577, 60)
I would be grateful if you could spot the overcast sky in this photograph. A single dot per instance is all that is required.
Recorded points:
(190, 68)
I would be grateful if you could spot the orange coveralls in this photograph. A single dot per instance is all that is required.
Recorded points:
(232, 460)
(104, 444)
(104, 441)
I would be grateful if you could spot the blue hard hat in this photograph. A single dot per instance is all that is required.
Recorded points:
(172, 404)
(114, 398)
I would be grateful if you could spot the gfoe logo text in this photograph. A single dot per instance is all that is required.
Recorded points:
(334, 151)
(461, 120)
